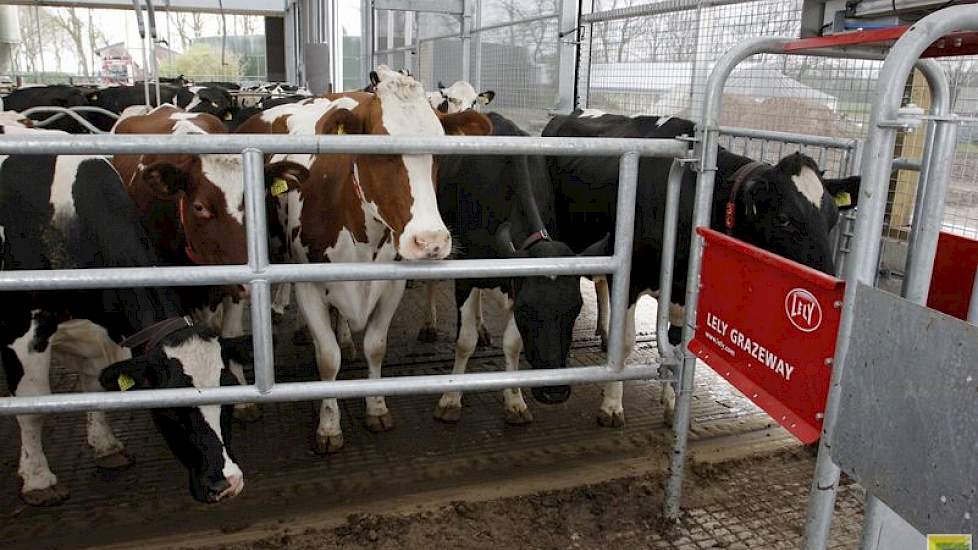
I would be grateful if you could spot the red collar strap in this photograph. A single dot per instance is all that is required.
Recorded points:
(534, 238)
(188, 249)
(153, 334)
(740, 176)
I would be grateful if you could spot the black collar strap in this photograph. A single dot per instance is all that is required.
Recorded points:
(153, 334)
(534, 238)
(740, 176)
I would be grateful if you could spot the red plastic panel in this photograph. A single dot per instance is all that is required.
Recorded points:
(953, 275)
(959, 43)
(768, 325)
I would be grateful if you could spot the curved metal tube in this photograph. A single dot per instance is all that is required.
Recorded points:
(666, 350)
(61, 112)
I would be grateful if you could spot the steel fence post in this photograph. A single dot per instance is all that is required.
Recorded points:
(623, 238)
(257, 232)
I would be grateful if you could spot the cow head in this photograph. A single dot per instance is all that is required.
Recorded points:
(789, 209)
(401, 188)
(199, 437)
(459, 97)
(546, 308)
(215, 101)
(209, 190)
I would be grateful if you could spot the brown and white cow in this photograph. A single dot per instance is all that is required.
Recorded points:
(192, 207)
(362, 208)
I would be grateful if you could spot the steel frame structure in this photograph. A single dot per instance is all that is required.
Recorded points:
(877, 164)
(260, 273)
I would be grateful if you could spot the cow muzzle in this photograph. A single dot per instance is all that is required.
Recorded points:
(427, 245)
(551, 395)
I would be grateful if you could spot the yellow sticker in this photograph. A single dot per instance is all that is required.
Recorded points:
(279, 186)
(843, 199)
(949, 542)
(125, 382)
(227, 116)
(340, 130)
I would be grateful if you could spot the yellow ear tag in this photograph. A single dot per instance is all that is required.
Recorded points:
(125, 382)
(843, 199)
(279, 186)
(340, 130)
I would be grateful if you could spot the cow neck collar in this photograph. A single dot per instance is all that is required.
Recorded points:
(151, 336)
(188, 248)
(534, 238)
(739, 178)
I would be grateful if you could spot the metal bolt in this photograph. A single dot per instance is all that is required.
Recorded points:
(828, 361)
(819, 416)
(837, 304)
(943, 499)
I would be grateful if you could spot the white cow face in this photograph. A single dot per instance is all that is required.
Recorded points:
(459, 97)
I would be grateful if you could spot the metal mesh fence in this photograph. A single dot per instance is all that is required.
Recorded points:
(657, 62)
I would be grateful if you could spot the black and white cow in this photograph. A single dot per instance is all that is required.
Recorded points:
(213, 101)
(61, 212)
(501, 207)
(786, 208)
(59, 95)
(460, 96)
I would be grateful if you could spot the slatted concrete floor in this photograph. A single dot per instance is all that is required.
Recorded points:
(283, 475)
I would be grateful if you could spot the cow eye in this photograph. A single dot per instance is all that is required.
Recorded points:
(202, 211)
(784, 221)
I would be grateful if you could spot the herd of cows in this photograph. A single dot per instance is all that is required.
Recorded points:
(181, 210)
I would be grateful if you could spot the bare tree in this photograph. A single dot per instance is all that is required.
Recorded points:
(67, 19)
(961, 73)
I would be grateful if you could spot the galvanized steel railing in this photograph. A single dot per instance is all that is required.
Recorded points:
(260, 273)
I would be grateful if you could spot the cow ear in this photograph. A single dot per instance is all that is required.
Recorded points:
(285, 176)
(374, 79)
(239, 349)
(131, 374)
(756, 193)
(441, 86)
(486, 97)
(599, 248)
(466, 123)
(340, 121)
(165, 178)
(503, 242)
(845, 191)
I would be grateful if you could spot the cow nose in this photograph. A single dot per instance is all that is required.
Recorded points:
(431, 245)
(551, 395)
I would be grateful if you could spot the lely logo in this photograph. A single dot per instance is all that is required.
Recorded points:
(803, 310)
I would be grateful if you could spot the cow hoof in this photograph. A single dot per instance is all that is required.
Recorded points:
(50, 496)
(115, 461)
(328, 444)
(380, 423)
(449, 415)
(485, 339)
(518, 417)
(428, 335)
(247, 413)
(611, 420)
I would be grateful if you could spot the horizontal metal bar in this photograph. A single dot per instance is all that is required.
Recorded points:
(367, 144)
(496, 26)
(455, 7)
(654, 8)
(326, 272)
(789, 137)
(399, 49)
(906, 164)
(309, 391)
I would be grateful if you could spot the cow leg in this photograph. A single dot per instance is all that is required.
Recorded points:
(677, 316)
(40, 486)
(280, 301)
(348, 348)
(449, 407)
(485, 339)
(329, 435)
(514, 406)
(90, 346)
(232, 327)
(375, 348)
(604, 315)
(612, 414)
(429, 332)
